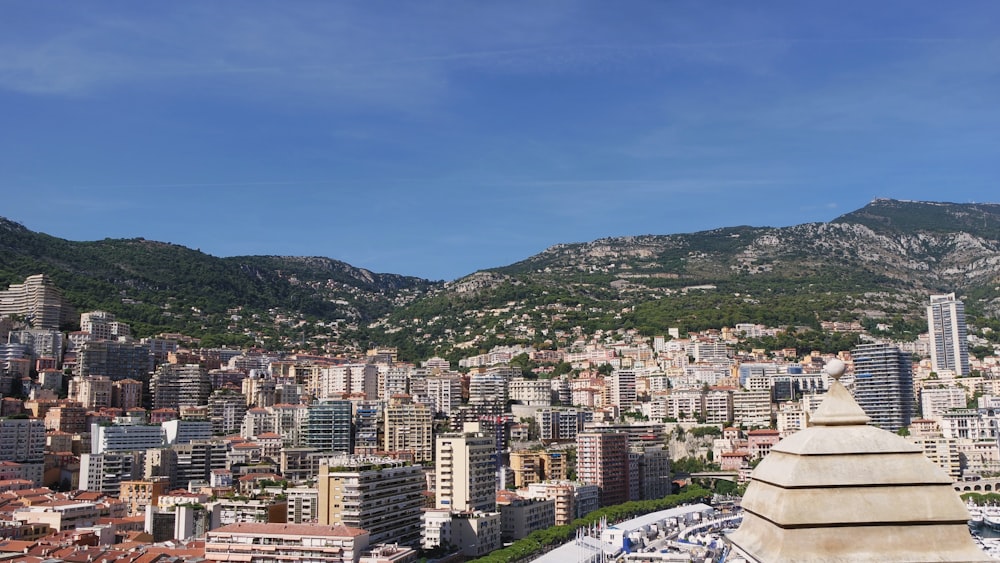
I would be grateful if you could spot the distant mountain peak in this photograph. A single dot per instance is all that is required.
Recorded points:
(13, 226)
(893, 215)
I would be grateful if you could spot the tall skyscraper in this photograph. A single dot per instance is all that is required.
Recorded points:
(465, 464)
(883, 385)
(948, 334)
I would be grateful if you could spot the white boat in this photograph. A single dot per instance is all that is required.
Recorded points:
(991, 517)
(975, 515)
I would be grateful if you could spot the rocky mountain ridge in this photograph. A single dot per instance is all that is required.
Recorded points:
(879, 262)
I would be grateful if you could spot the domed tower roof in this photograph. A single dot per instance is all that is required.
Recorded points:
(842, 491)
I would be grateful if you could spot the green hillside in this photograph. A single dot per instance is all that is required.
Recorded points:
(876, 265)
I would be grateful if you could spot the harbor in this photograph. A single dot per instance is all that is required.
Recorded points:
(984, 523)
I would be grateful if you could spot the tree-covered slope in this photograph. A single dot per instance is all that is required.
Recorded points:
(877, 263)
(159, 286)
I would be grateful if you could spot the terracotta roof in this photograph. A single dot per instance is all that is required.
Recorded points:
(297, 530)
(19, 546)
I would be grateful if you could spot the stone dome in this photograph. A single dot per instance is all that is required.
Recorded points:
(843, 491)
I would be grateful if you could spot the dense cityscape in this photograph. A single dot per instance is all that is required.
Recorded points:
(519, 282)
(154, 448)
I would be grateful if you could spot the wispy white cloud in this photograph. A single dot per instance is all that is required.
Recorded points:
(406, 55)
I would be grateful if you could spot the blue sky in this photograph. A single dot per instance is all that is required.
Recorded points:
(438, 138)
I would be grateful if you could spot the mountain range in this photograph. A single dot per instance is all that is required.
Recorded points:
(878, 263)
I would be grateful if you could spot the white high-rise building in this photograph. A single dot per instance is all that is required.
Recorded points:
(444, 393)
(621, 389)
(38, 301)
(466, 471)
(948, 334)
(349, 379)
(938, 400)
(102, 325)
(125, 438)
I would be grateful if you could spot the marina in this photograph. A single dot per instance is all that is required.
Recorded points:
(984, 523)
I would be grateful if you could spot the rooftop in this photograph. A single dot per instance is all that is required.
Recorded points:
(844, 491)
(297, 530)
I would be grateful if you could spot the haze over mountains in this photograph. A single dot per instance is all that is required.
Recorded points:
(879, 262)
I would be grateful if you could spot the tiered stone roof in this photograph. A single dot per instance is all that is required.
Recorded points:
(842, 491)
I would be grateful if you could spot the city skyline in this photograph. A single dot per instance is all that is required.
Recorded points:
(520, 453)
(440, 139)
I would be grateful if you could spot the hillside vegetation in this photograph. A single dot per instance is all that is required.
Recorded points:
(162, 287)
(878, 263)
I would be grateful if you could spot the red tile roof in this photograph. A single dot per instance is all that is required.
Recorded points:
(297, 530)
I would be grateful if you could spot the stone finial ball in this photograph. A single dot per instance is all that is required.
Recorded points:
(835, 368)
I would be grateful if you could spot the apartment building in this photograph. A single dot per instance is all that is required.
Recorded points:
(176, 385)
(519, 517)
(381, 495)
(572, 499)
(114, 359)
(329, 426)
(466, 469)
(38, 301)
(268, 543)
(444, 393)
(130, 437)
(91, 391)
(531, 392)
(303, 505)
(140, 493)
(104, 472)
(22, 440)
(603, 460)
(408, 429)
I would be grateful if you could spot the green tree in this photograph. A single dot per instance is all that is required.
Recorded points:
(524, 362)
